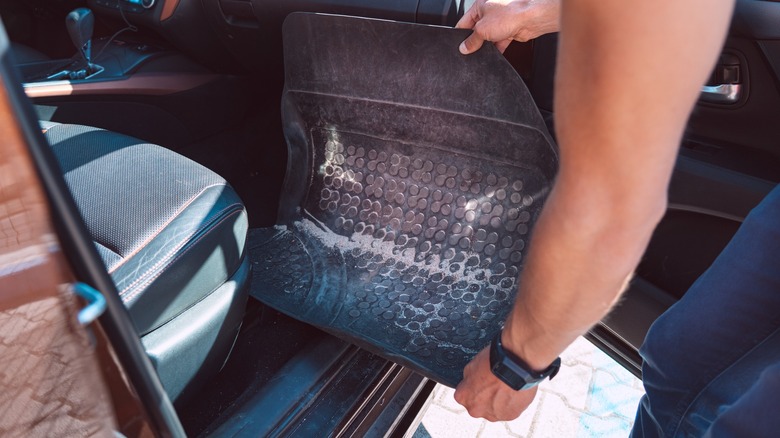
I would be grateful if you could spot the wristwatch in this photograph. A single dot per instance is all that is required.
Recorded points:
(511, 370)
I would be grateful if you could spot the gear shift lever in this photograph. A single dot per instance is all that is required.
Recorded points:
(80, 23)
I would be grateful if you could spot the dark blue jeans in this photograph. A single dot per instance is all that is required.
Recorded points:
(712, 361)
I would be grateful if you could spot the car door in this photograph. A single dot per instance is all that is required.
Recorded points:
(43, 347)
(729, 160)
(64, 372)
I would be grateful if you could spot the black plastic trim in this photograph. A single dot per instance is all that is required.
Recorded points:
(710, 189)
(389, 408)
(407, 425)
(616, 347)
(330, 388)
(757, 19)
(301, 380)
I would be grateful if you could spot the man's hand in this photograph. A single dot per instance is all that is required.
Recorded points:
(483, 395)
(502, 21)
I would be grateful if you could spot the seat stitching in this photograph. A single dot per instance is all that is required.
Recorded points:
(178, 212)
(55, 125)
(146, 282)
(125, 258)
(164, 260)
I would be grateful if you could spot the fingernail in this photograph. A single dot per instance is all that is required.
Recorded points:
(463, 48)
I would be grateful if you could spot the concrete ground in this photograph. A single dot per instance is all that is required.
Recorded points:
(592, 396)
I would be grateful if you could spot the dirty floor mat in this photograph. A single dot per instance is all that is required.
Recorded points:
(419, 265)
(414, 177)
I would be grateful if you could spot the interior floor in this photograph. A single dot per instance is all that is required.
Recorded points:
(268, 340)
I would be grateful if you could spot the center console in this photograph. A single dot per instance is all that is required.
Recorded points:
(115, 59)
(131, 6)
(122, 66)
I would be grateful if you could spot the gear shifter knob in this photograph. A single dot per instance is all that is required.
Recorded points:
(80, 23)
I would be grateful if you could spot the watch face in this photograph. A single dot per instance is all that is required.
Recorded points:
(511, 378)
(511, 370)
(507, 370)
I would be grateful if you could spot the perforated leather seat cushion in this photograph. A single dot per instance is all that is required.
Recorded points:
(169, 230)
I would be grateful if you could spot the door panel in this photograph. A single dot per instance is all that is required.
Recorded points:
(65, 379)
(729, 160)
(750, 123)
(48, 385)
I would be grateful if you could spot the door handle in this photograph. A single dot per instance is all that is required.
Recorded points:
(96, 304)
(723, 94)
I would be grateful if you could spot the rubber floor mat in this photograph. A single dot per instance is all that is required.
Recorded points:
(405, 219)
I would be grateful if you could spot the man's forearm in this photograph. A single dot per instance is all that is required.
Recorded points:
(619, 124)
(578, 264)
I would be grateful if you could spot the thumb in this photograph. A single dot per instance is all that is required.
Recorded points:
(471, 44)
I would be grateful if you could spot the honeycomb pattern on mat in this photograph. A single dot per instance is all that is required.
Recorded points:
(436, 246)
(285, 266)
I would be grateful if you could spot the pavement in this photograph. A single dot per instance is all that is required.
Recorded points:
(592, 396)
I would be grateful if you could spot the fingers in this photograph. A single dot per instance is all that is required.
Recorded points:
(471, 44)
(474, 42)
(458, 395)
(502, 45)
(484, 396)
(469, 19)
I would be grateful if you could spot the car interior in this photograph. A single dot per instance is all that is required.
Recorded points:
(224, 155)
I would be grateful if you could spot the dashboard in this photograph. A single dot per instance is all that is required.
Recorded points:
(233, 35)
(130, 6)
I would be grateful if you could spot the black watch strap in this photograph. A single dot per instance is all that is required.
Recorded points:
(513, 371)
